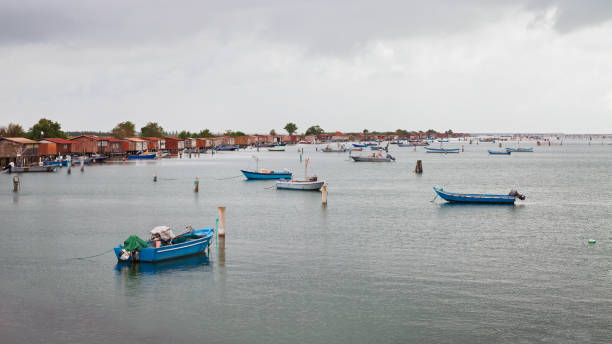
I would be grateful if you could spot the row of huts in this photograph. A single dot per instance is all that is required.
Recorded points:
(30, 151)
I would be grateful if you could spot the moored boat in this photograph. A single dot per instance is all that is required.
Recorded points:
(519, 150)
(414, 144)
(227, 148)
(151, 156)
(478, 198)
(171, 247)
(306, 184)
(56, 163)
(266, 174)
(14, 169)
(492, 152)
(373, 158)
(277, 149)
(311, 184)
(340, 149)
(441, 150)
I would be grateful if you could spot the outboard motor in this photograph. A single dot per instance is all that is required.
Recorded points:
(515, 194)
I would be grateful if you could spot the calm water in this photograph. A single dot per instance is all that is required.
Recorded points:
(380, 263)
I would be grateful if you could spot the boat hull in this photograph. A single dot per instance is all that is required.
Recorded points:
(142, 156)
(519, 150)
(56, 163)
(184, 249)
(441, 150)
(474, 198)
(366, 159)
(499, 153)
(413, 144)
(266, 176)
(297, 185)
(32, 169)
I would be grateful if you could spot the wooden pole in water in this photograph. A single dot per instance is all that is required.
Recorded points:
(324, 194)
(221, 221)
(69, 168)
(419, 167)
(155, 177)
(15, 184)
(196, 184)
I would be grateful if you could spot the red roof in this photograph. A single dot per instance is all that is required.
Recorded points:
(93, 137)
(57, 140)
(153, 138)
(109, 139)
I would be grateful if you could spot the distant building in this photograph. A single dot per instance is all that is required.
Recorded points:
(174, 145)
(54, 146)
(84, 144)
(110, 146)
(135, 144)
(18, 150)
(246, 140)
(155, 143)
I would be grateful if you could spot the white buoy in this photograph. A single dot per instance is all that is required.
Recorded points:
(221, 221)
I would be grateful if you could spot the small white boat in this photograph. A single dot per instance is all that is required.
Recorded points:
(277, 149)
(306, 184)
(295, 184)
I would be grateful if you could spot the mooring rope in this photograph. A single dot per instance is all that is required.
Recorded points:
(96, 255)
(229, 177)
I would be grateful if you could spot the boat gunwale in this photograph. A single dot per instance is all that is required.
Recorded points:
(501, 197)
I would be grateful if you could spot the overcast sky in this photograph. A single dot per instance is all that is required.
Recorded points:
(472, 65)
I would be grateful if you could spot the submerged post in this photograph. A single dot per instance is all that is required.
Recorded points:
(15, 184)
(324, 194)
(419, 167)
(69, 168)
(462, 149)
(196, 184)
(155, 177)
(221, 221)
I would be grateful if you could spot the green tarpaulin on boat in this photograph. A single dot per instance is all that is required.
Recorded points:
(134, 243)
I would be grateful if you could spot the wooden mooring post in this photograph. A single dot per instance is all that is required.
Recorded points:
(16, 183)
(419, 167)
(196, 184)
(221, 221)
(324, 194)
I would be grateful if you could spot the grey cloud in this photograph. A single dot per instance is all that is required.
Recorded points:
(319, 25)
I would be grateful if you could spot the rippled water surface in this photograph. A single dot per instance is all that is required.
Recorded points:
(381, 263)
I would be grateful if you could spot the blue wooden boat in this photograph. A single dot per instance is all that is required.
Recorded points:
(441, 150)
(195, 242)
(56, 163)
(359, 146)
(265, 174)
(521, 150)
(151, 156)
(228, 148)
(499, 152)
(440, 140)
(478, 198)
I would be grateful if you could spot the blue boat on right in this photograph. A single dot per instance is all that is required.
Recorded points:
(478, 198)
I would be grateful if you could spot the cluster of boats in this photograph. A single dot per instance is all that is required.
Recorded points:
(285, 178)
(164, 245)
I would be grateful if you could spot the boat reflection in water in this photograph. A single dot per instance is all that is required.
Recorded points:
(129, 269)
